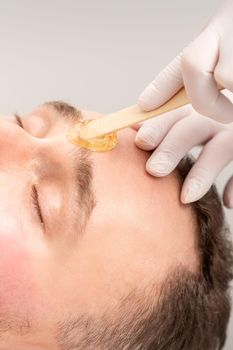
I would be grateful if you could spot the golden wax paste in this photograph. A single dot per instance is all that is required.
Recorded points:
(99, 144)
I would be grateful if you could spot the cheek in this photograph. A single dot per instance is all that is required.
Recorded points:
(18, 243)
(15, 270)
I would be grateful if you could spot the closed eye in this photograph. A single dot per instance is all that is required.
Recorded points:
(34, 192)
(36, 204)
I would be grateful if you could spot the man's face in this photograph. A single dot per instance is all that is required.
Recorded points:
(79, 230)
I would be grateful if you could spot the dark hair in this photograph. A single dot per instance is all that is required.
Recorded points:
(191, 310)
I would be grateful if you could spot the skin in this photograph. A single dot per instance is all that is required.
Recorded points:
(137, 231)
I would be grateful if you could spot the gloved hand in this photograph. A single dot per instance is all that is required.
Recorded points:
(208, 60)
(174, 134)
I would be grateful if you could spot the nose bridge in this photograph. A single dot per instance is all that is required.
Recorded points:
(15, 143)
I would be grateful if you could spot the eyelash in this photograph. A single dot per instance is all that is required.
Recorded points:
(36, 205)
(19, 121)
(34, 192)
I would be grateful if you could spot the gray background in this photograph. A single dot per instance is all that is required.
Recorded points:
(95, 54)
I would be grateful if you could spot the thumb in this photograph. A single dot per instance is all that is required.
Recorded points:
(163, 87)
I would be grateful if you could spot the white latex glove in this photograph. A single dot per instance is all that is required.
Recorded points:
(208, 60)
(177, 132)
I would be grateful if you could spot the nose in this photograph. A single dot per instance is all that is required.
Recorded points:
(16, 145)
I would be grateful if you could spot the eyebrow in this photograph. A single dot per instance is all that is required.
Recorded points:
(82, 168)
(65, 110)
(83, 176)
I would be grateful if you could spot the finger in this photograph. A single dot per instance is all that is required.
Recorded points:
(198, 64)
(183, 136)
(154, 130)
(136, 126)
(228, 194)
(216, 154)
(163, 87)
(224, 67)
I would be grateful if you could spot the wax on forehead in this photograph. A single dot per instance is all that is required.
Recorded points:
(100, 144)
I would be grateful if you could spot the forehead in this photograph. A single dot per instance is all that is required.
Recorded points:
(137, 209)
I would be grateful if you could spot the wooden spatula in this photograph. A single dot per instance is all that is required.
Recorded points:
(129, 116)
